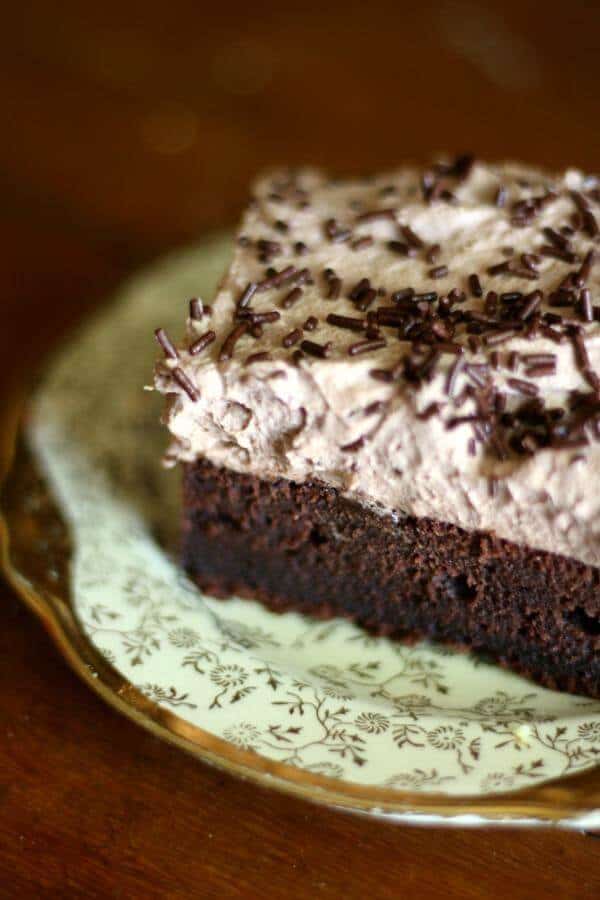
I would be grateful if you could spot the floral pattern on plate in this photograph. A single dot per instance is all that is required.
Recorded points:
(326, 698)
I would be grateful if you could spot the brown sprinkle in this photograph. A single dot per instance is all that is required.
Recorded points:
(279, 278)
(475, 285)
(366, 346)
(523, 387)
(586, 305)
(247, 295)
(263, 356)
(581, 354)
(433, 409)
(349, 322)
(456, 421)
(196, 308)
(321, 351)
(532, 359)
(292, 338)
(202, 342)
(354, 446)
(165, 342)
(401, 248)
(499, 268)
(382, 375)
(532, 301)
(185, 384)
(513, 361)
(374, 214)
(291, 298)
(335, 287)
(559, 240)
(590, 225)
(541, 369)
(530, 261)
(586, 267)
(376, 406)
(453, 374)
(438, 272)
(335, 233)
(556, 253)
(410, 237)
(365, 299)
(404, 294)
(231, 340)
(310, 324)
(499, 337)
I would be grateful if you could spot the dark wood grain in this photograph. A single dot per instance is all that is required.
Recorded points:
(130, 128)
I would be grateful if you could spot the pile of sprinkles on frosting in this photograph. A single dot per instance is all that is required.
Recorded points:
(428, 324)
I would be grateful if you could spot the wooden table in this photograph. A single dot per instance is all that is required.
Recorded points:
(130, 128)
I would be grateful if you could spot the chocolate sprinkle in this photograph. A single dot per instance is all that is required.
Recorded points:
(541, 369)
(263, 356)
(374, 214)
(202, 342)
(292, 338)
(533, 301)
(365, 299)
(354, 446)
(247, 295)
(405, 294)
(401, 248)
(346, 322)
(586, 267)
(185, 384)
(438, 272)
(475, 285)
(321, 351)
(433, 409)
(291, 298)
(335, 233)
(523, 387)
(366, 346)
(335, 287)
(231, 340)
(196, 308)
(586, 305)
(410, 237)
(278, 279)
(165, 342)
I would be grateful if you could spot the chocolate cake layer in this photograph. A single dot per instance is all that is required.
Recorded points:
(306, 548)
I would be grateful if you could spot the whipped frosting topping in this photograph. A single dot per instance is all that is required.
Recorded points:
(426, 342)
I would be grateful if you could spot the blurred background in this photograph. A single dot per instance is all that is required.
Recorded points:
(133, 127)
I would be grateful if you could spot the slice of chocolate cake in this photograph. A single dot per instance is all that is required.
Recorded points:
(391, 411)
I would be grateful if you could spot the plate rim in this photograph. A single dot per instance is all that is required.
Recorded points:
(568, 801)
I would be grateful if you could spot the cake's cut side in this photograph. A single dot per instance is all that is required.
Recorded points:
(305, 547)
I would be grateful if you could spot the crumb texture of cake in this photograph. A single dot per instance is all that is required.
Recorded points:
(307, 548)
(424, 343)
